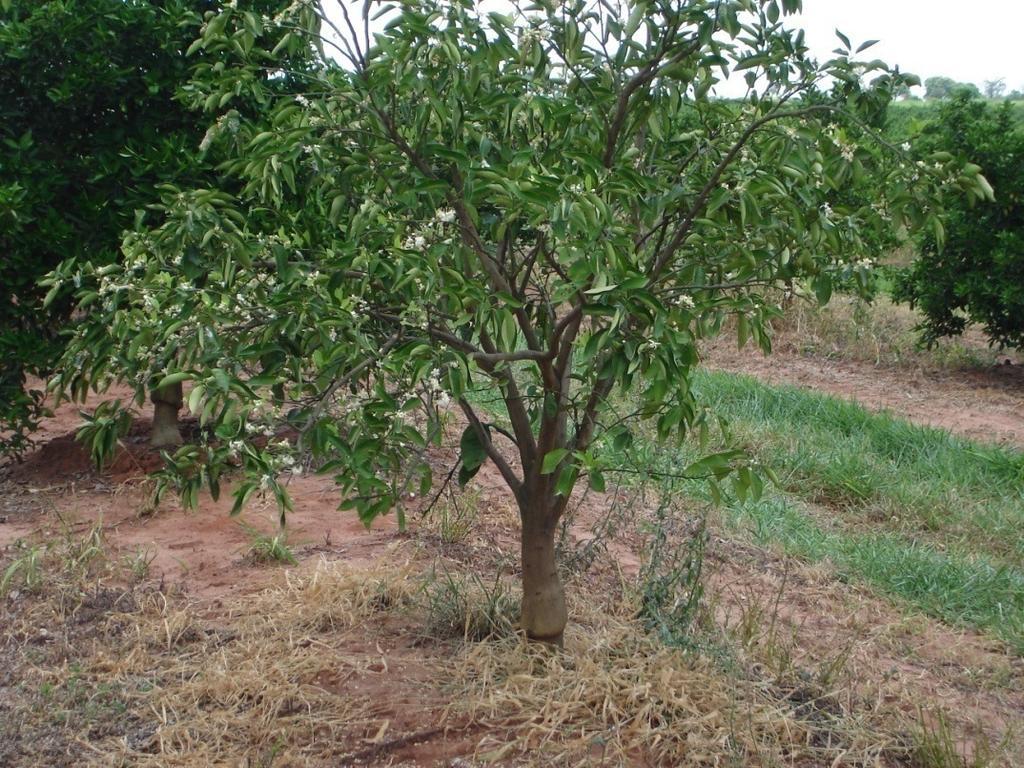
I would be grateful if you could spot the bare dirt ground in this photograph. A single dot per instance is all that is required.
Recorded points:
(850, 678)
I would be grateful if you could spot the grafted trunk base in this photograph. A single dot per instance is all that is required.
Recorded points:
(544, 613)
(166, 404)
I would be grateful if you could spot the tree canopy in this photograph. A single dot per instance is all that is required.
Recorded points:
(976, 274)
(532, 218)
(944, 87)
(90, 123)
(94, 116)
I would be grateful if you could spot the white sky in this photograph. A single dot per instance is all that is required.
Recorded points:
(967, 41)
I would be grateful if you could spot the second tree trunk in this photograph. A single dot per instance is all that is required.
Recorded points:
(166, 404)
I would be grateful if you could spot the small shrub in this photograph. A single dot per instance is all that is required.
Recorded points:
(670, 585)
(103, 430)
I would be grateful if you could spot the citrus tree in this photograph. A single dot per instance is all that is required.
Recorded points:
(977, 274)
(93, 118)
(518, 216)
(88, 124)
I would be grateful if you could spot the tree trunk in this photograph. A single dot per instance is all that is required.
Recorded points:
(166, 404)
(544, 614)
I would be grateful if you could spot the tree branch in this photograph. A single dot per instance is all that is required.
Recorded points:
(511, 479)
(666, 252)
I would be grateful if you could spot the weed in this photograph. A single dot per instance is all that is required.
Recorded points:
(669, 585)
(25, 571)
(467, 607)
(879, 333)
(758, 632)
(80, 554)
(935, 746)
(265, 549)
(455, 517)
(138, 564)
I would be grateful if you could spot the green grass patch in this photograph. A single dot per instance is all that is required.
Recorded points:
(964, 590)
(926, 517)
(876, 469)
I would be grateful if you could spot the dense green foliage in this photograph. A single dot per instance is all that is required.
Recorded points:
(945, 87)
(977, 274)
(97, 116)
(89, 124)
(905, 119)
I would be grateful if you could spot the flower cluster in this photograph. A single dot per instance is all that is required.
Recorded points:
(226, 123)
(436, 391)
(437, 230)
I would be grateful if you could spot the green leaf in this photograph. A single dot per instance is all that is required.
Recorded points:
(552, 459)
(473, 454)
(337, 206)
(717, 465)
(195, 398)
(174, 378)
(822, 285)
(242, 494)
(566, 481)
(742, 330)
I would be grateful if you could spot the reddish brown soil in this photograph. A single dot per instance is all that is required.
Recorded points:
(804, 618)
(892, 663)
(56, 489)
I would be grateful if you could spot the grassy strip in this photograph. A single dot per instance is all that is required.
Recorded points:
(965, 591)
(921, 515)
(877, 469)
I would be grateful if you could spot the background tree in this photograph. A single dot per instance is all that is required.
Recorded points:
(92, 120)
(977, 274)
(944, 87)
(533, 217)
(995, 88)
(89, 124)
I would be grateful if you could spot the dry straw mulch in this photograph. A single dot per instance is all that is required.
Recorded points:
(331, 666)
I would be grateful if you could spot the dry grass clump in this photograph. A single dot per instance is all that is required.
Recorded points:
(617, 696)
(155, 680)
(880, 333)
(265, 682)
(332, 666)
(465, 607)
